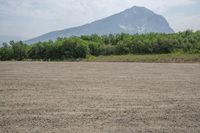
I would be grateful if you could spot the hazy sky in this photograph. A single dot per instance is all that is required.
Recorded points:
(30, 18)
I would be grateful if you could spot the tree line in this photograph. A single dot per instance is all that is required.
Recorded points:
(94, 45)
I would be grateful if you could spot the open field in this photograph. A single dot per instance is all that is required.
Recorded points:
(93, 97)
(159, 58)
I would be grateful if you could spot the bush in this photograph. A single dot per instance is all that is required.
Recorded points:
(74, 48)
(119, 44)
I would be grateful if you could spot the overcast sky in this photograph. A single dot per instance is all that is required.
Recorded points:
(30, 18)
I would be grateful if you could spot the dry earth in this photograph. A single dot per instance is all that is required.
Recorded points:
(99, 97)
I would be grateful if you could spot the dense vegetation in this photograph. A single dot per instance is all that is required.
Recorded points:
(94, 45)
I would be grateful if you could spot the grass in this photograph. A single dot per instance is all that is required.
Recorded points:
(159, 58)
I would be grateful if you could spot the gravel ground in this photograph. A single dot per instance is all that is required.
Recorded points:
(81, 97)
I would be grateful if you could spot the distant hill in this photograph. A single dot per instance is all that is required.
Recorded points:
(133, 20)
(5, 38)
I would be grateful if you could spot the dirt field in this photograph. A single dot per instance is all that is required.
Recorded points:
(99, 97)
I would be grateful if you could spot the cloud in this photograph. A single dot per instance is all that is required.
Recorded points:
(33, 17)
(163, 5)
(181, 23)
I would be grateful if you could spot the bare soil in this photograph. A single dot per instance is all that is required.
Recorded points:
(81, 97)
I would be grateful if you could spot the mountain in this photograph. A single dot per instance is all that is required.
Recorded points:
(133, 20)
(6, 38)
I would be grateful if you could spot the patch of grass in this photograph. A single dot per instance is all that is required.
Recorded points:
(160, 58)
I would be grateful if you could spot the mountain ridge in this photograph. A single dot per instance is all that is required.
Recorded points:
(134, 20)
